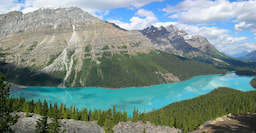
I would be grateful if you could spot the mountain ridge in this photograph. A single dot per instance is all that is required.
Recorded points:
(249, 57)
(67, 47)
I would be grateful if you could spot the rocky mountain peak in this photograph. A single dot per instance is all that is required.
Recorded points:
(200, 43)
(175, 30)
(176, 41)
(169, 39)
(45, 19)
(153, 31)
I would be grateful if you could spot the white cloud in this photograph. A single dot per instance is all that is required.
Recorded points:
(201, 11)
(9, 5)
(143, 19)
(91, 6)
(245, 26)
(242, 26)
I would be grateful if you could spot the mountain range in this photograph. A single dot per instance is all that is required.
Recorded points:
(68, 47)
(249, 57)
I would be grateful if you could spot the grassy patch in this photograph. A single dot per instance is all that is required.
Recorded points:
(32, 46)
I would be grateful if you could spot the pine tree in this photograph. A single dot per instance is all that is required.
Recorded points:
(38, 107)
(89, 115)
(125, 116)
(101, 119)
(55, 126)
(135, 115)
(42, 125)
(94, 115)
(144, 117)
(85, 115)
(62, 111)
(109, 123)
(6, 120)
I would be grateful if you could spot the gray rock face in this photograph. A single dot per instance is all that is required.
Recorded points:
(169, 39)
(138, 127)
(47, 20)
(176, 41)
(28, 125)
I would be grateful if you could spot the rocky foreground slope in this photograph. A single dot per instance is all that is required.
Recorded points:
(28, 125)
(241, 123)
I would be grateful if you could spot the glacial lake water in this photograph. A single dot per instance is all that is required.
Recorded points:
(141, 98)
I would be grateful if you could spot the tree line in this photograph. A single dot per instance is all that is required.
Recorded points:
(186, 115)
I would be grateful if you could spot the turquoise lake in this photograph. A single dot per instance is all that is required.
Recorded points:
(143, 98)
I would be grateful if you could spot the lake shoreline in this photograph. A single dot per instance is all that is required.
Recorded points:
(15, 87)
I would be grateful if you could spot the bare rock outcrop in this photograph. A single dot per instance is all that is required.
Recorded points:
(139, 127)
(28, 125)
(240, 123)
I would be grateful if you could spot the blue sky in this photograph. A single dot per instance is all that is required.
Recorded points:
(229, 25)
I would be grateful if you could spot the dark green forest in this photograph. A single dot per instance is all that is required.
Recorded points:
(186, 115)
(123, 70)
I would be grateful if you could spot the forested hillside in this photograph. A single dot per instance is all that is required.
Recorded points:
(186, 115)
(118, 70)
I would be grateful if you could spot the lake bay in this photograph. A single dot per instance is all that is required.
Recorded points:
(141, 98)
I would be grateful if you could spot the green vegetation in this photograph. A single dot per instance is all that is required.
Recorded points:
(139, 70)
(27, 76)
(123, 47)
(41, 124)
(52, 58)
(135, 44)
(105, 47)
(6, 120)
(32, 46)
(253, 83)
(88, 48)
(186, 115)
(189, 114)
(104, 118)
(70, 53)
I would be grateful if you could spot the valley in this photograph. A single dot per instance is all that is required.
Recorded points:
(67, 60)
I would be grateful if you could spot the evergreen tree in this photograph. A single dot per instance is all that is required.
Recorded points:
(144, 117)
(94, 115)
(62, 111)
(55, 126)
(38, 107)
(101, 119)
(135, 115)
(85, 115)
(6, 120)
(89, 115)
(109, 123)
(42, 125)
(125, 116)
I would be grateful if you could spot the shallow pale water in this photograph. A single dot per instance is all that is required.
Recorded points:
(143, 98)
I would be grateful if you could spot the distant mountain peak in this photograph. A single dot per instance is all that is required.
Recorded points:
(176, 41)
(249, 57)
